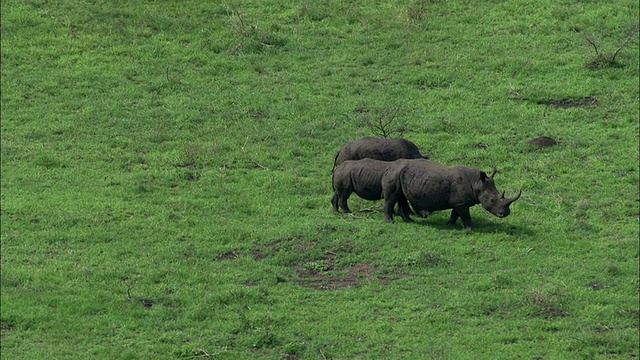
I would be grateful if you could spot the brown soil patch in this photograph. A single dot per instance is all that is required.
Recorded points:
(332, 280)
(347, 277)
(570, 103)
(320, 271)
(543, 141)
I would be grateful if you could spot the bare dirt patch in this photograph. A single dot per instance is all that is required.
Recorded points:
(348, 277)
(543, 141)
(333, 278)
(319, 268)
(570, 103)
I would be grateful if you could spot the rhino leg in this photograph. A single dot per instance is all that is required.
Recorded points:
(403, 208)
(454, 217)
(389, 203)
(342, 201)
(390, 200)
(464, 215)
(390, 193)
(334, 202)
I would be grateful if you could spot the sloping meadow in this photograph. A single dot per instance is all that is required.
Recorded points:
(166, 179)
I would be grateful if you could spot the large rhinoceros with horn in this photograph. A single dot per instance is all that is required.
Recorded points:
(429, 187)
(378, 149)
(363, 177)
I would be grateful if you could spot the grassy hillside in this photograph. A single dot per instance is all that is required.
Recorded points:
(166, 179)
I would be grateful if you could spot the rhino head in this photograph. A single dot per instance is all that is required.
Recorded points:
(492, 200)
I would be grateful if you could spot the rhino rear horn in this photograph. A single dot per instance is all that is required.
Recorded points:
(493, 172)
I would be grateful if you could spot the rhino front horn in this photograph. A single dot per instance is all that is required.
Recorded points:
(515, 198)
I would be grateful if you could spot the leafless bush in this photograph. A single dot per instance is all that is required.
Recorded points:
(609, 59)
(384, 122)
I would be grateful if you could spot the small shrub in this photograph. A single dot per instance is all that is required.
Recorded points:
(608, 60)
(384, 122)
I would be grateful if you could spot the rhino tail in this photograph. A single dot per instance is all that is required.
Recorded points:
(333, 182)
(335, 160)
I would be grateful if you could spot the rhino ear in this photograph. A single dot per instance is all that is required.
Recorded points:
(483, 176)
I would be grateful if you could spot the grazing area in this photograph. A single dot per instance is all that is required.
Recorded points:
(167, 184)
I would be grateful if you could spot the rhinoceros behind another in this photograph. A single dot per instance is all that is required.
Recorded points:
(378, 149)
(429, 187)
(363, 177)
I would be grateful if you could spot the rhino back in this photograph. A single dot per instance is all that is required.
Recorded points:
(409, 149)
(389, 149)
(379, 149)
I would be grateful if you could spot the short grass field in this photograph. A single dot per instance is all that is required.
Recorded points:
(166, 179)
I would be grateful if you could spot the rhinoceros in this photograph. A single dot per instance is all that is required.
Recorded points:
(364, 177)
(378, 149)
(429, 187)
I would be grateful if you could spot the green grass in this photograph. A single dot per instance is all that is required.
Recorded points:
(166, 180)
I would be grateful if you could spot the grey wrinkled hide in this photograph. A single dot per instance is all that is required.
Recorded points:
(363, 177)
(378, 149)
(430, 187)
